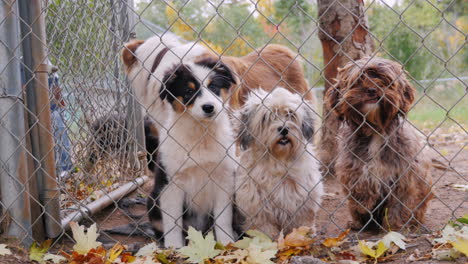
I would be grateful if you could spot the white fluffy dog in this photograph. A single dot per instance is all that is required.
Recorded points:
(182, 93)
(278, 183)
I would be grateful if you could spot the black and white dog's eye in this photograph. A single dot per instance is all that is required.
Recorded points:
(214, 88)
(189, 93)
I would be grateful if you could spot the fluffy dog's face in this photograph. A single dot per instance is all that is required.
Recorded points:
(372, 90)
(279, 122)
(197, 88)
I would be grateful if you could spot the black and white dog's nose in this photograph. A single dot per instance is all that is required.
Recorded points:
(208, 108)
(283, 130)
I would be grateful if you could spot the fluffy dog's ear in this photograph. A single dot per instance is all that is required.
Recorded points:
(307, 125)
(242, 125)
(128, 53)
(332, 98)
(408, 93)
(223, 70)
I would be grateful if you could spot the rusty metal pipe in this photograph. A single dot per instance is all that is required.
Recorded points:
(103, 202)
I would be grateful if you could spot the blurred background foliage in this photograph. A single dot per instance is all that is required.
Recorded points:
(428, 37)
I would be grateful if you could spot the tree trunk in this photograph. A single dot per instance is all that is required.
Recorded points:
(344, 33)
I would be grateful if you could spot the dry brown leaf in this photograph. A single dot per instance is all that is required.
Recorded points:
(299, 237)
(288, 253)
(336, 241)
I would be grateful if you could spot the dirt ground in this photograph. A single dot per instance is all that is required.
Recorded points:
(333, 216)
(448, 204)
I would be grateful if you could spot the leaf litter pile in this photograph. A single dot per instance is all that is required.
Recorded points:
(449, 244)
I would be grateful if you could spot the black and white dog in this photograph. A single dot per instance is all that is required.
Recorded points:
(182, 91)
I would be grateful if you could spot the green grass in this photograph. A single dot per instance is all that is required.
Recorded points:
(445, 103)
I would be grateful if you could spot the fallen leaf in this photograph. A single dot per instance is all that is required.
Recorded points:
(37, 253)
(147, 250)
(259, 256)
(461, 245)
(84, 241)
(299, 237)
(445, 254)
(54, 258)
(375, 253)
(258, 238)
(4, 250)
(127, 257)
(345, 255)
(449, 234)
(199, 248)
(255, 233)
(336, 241)
(396, 238)
(237, 255)
(219, 246)
(463, 220)
(286, 254)
(114, 253)
(162, 258)
(144, 260)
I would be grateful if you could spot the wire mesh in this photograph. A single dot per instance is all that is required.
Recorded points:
(101, 138)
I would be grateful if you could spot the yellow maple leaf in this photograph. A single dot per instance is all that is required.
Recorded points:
(199, 247)
(375, 253)
(461, 245)
(37, 252)
(114, 253)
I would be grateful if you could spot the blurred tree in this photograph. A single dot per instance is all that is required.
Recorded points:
(421, 36)
(235, 30)
(152, 11)
(345, 36)
(416, 33)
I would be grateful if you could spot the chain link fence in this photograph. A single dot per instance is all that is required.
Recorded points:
(74, 139)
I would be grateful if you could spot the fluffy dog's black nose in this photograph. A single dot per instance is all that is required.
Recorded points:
(283, 130)
(208, 108)
(371, 91)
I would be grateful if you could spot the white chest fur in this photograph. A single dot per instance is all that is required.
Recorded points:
(199, 158)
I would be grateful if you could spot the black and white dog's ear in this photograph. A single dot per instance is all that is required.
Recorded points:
(242, 121)
(223, 70)
(308, 125)
(128, 53)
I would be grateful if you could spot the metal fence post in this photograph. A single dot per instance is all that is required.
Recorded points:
(37, 96)
(134, 110)
(13, 162)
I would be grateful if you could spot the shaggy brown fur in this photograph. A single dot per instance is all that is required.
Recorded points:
(381, 161)
(268, 67)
